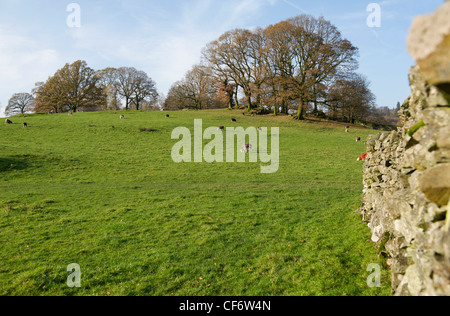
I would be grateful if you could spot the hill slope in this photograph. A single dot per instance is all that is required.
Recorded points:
(94, 190)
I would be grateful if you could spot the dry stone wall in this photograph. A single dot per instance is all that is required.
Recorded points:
(407, 172)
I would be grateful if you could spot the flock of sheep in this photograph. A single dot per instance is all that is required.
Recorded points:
(10, 122)
(246, 148)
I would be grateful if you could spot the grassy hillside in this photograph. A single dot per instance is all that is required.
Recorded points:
(94, 190)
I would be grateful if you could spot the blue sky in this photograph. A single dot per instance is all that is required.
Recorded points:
(165, 38)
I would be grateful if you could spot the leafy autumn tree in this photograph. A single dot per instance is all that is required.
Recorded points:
(47, 96)
(292, 61)
(19, 104)
(73, 87)
(278, 58)
(320, 55)
(228, 90)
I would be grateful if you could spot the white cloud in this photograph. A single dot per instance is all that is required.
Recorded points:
(163, 40)
(165, 53)
(23, 62)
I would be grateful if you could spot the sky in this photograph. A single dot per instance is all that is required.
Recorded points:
(165, 38)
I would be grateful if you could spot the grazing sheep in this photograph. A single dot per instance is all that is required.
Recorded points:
(358, 139)
(347, 130)
(246, 148)
(8, 121)
(233, 120)
(221, 128)
(167, 116)
(122, 117)
(24, 124)
(362, 157)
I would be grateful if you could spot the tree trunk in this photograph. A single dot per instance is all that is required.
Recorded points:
(236, 97)
(276, 106)
(258, 95)
(300, 115)
(316, 108)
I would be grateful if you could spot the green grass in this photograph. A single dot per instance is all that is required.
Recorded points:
(104, 193)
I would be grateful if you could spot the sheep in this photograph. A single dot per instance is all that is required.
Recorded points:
(362, 157)
(358, 139)
(233, 120)
(167, 116)
(8, 121)
(347, 130)
(24, 124)
(246, 148)
(122, 117)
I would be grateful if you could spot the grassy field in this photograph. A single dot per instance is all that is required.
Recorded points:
(94, 190)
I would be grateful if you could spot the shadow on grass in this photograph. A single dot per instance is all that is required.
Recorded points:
(14, 163)
(29, 162)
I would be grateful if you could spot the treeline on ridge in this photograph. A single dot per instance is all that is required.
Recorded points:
(77, 87)
(298, 66)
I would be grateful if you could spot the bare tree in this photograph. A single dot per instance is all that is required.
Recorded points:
(19, 104)
(107, 82)
(144, 89)
(197, 90)
(230, 58)
(126, 84)
(352, 98)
